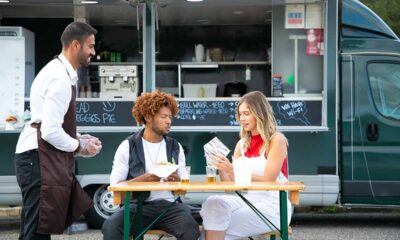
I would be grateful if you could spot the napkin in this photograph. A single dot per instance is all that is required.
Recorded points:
(163, 171)
(213, 148)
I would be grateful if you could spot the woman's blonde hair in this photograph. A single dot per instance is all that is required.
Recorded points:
(265, 119)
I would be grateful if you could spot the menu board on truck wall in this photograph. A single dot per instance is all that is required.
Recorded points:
(196, 113)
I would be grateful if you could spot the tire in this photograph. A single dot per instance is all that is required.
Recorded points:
(103, 205)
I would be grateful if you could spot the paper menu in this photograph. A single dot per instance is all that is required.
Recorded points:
(212, 148)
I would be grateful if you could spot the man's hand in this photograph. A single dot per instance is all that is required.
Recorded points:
(147, 177)
(174, 177)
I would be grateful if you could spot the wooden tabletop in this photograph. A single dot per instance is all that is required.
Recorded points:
(180, 188)
(201, 186)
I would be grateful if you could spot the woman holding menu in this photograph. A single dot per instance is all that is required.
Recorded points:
(265, 149)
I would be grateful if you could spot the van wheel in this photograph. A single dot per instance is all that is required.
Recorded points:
(103, 205)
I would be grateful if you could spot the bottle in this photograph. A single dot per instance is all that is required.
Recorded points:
(200, 92)
(277, 85)
(248, 73)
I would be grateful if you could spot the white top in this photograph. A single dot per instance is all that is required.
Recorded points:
(153, 153)
(49, 102)
(257, 168)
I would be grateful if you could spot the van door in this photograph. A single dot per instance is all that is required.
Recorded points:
(370, 105)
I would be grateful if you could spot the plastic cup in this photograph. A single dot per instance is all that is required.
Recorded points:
(242, 171)
(184, 174)
(211, 174)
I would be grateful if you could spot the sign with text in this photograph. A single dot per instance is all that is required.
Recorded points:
(104, 113)
(220, 113)
(294, 16)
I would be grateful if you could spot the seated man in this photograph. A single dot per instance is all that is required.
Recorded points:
(137, 155)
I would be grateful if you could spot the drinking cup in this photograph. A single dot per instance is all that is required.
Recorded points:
(211, 174)
(184, 174)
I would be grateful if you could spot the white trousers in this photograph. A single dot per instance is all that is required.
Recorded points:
(231, 214)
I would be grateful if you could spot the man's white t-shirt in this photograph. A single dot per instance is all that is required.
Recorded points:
(153, 153)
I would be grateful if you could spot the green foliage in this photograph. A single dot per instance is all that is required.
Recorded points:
(388, 10)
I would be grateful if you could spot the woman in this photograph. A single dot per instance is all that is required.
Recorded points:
(265, 149)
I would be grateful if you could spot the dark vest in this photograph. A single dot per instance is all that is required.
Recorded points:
(62, 199)
(137, 162)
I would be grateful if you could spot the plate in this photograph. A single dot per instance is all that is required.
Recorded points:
(163, 171)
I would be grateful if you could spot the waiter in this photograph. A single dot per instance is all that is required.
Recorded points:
(44, 161)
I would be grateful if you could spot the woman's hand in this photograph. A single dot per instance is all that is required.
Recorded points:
(223, 163)
(225, 167)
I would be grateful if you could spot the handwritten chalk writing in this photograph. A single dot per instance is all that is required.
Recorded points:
(109, 107)
(218, 104)
(109, 118)
(88, 118)
(198, 113)
(295, 110)
(82, 107)
(199, 104)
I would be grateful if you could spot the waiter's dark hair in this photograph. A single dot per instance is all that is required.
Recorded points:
(76, 31)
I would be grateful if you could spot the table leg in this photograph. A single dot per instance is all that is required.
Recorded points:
(283, 212)
(138, 221)
(259, 214)
(126, 215)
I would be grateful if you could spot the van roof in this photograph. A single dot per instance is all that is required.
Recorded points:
(357, 15)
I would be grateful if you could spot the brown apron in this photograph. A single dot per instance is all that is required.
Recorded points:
(62, 199)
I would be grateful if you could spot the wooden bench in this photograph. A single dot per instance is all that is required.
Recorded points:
(271, 235)
(293, 198)
(159, 233)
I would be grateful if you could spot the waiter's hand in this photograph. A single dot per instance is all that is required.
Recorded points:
(89, 146)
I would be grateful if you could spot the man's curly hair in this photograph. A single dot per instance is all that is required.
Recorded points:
(151, 103)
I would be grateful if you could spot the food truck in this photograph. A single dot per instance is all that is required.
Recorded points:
(330, 69)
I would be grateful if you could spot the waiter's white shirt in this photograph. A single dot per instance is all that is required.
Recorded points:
(49, 101)
(153, 153)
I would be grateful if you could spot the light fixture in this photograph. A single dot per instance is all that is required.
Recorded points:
(237, 12)
(89, 2)
(199, 65)
(121, 22)
(203, 21)
(194, 0)
(4, 1)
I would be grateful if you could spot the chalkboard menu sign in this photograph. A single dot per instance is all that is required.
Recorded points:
(298, 113)
(104, 113)
(216, 113)
(223, 113)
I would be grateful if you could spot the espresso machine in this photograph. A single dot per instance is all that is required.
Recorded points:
(118, 81)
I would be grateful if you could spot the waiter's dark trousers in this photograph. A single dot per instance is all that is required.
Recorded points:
(28, 177)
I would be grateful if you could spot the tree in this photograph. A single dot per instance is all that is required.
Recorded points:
(388, 10)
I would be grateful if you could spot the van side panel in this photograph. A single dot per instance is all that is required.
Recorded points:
(371, 126)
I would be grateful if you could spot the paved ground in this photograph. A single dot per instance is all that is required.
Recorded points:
(355, 225)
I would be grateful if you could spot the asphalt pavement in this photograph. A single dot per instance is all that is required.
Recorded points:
(308, 225)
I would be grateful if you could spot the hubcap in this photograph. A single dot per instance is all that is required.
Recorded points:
(104, 202)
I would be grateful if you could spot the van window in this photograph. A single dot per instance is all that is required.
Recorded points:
(384, 79)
